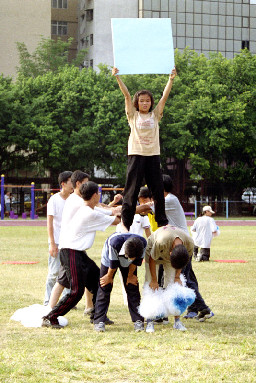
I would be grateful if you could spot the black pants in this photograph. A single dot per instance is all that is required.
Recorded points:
(140, 167)
(103, 297)
(204, 254)
(81, 272)
(192, 283)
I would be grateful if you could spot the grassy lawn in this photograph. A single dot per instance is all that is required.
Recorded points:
(220, 350)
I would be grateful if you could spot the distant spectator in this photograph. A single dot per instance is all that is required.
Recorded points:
(203, 230)
(55, 208)
(7, 201)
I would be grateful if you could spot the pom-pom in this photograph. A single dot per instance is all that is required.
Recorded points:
(31, 316)
(164, 302)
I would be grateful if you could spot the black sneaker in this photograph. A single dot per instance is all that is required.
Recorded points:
(161, 321)
(109, 321)
(204, 314)
(47, 323)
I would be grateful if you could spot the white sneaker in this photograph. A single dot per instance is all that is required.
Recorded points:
(179, 326)
(88, 311)
(150, 327)
(99, 327)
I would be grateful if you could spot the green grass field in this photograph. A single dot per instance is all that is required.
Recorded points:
(222, 349)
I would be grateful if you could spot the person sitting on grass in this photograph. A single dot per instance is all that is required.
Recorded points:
(124, 251)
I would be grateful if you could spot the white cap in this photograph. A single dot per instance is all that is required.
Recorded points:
(208, 208)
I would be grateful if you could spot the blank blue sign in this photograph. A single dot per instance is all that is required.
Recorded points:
(143, 46)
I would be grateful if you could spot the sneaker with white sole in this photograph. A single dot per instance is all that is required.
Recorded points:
(100, 327)
(88, 311)
(107, 320)
(150, 327)
(204, 314)
(190, 315)
(47, 323)
(179, 326)
(138, 326)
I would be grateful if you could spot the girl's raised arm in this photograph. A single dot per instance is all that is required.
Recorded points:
(166, 91)
(124, 90)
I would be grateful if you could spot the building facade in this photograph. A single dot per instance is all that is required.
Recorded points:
(224, 26)
(95, 27)
(64, 23)
(21, 21)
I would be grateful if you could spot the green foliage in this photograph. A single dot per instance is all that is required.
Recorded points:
(49, 56)
(69, 118)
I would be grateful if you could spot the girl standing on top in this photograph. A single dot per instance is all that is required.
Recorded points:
(143, 150)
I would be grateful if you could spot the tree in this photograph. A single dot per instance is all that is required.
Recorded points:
(49, 56)
(71, 118)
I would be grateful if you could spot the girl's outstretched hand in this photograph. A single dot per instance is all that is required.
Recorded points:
(173, 74)
(114, 71)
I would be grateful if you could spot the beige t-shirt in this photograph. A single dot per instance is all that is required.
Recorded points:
(160, 243)
(144, 136)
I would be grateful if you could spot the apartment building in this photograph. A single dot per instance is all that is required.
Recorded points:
(64, 23)
(21, 21)
(95, 27)
(225, 26)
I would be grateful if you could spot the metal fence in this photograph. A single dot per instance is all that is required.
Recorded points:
(226, 208)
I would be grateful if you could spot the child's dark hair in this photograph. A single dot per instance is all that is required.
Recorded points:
(140, 93)
(134, 247)
(88, 189)
(179, 257)
(145, 192)
(78, 175)
(168, 184)
(64, 177)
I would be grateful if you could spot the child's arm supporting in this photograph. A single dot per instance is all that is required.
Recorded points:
(177, 276)
(53, 248)
(124, 90)
(152, 267)
(107, 278)
(166, 92)
(131, 278)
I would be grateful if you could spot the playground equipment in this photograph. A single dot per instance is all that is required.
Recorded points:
(31, 201)
(29, 191)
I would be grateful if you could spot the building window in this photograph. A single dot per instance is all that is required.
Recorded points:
(245, 22)
(89, 14)
(91, 63)
(60, 4)
(91, 39)
(59, 28)
(246, 44)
